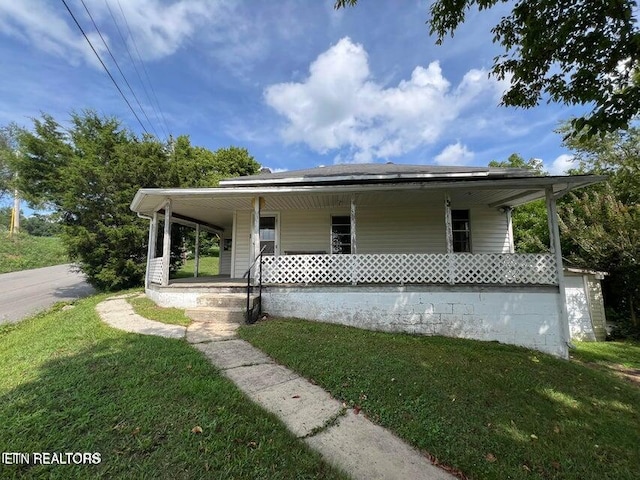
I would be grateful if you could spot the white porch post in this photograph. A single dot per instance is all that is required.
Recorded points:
(354, 248)
(554, 245)
(166, 244)
(449, 236)
(151, 248)
(507, 212)
(255, 232)
(197, 253)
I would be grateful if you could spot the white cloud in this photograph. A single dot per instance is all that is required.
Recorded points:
(455, 154)
(340, 105)
(159, 29)
(562, 164)
(38, 24)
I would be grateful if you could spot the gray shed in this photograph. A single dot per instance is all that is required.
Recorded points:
(585, 306)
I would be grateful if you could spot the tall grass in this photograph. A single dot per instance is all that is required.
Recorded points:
(23, 252)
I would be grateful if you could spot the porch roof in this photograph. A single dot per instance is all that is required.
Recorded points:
(410, 186)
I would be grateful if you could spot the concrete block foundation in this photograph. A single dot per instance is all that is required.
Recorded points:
(527, 316)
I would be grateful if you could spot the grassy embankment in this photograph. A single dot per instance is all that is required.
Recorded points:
(24, 252)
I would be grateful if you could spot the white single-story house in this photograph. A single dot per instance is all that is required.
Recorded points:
(413, 248)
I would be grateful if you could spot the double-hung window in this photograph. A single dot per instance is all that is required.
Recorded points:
(340, 234)
(268, 234)
(461, 229)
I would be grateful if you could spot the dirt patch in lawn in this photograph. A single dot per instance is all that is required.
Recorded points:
(631, 374)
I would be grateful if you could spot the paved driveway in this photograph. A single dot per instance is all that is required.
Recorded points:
(30, 291)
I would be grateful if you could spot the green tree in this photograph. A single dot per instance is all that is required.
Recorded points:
(199, 167)
(8, 153)
(601, 225)
(41, 225)
(582, 52)
(530, 228)
(88, 174)
(605, 233)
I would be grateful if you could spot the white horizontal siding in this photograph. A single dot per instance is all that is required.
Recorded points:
(379, 229)
(489, 230)
(241, 243)
(400, 230)
(306, 230)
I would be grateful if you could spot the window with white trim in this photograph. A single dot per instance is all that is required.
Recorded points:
(341, 234)
(268, 234)
(461, 229)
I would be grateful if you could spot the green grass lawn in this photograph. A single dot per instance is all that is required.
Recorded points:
(69, 383)
(626, 354)
(148, 309)
(24, 251)
(491, 411)
(208, 266)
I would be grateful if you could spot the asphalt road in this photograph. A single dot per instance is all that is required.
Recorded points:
(30, 291)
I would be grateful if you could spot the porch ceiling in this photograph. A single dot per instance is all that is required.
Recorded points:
(216, 205)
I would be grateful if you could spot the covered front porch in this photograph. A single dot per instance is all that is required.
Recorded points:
(401, 237)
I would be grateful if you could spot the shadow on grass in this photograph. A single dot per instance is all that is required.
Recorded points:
(135, 400)
(489, 410)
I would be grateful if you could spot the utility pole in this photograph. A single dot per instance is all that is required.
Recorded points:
(15, 215)
(14, 229)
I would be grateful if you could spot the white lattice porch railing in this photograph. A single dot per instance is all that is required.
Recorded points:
(155, 270)
(412, 268)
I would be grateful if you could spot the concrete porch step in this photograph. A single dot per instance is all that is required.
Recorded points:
(222, 308)
(217, 315)
(225, 300)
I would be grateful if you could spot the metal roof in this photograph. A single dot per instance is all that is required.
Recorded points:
(373, 172)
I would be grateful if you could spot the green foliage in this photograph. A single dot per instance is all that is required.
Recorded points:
(517, 161)
(489, 410)
(580, 52)
(23, 252)
(40, 225)
(601, 224)
(89, 173)
(604, 234)
(8, 153)
(530, 228)
(5, 218)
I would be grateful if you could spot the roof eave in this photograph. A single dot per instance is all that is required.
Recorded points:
(568, 182)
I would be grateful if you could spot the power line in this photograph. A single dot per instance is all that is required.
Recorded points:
(118, 67)
(135, 44)
(105, 67)
(133, 63)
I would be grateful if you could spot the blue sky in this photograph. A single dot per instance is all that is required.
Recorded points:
(295, 82)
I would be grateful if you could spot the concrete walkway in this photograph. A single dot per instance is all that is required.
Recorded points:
(349, 441)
